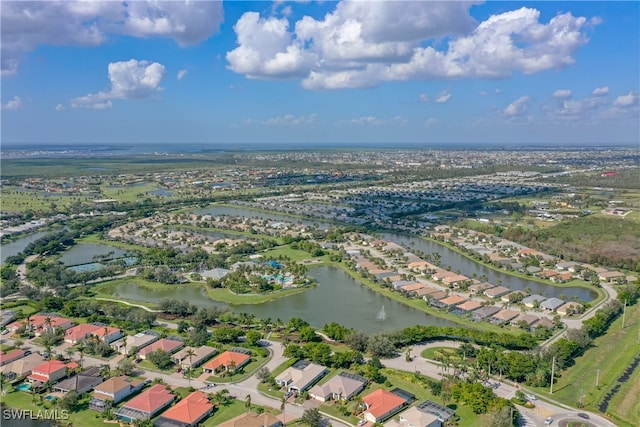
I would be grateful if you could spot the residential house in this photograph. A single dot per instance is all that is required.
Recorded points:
(552, 304)
(455, 281)
(80, 332)
(81, 383)
(466, 307)
(146, 405)
(381, 404)
(13, 355)
(507, 297)
(435, 296)
(167, 344)
(201, 355)
(543, 322)
(503, 316)
(400, 283)
(533, 300)
(6, 316)
(21, 367)
(496, 292)
(52, 371)
(39, 323)
(252, 419)
(301, 376)
(529, 319)
(562, 278)
(411, 288)
(133, 343)
(341, 387)
(227, 361)
(216, 273)
(479, 288)
(413, 417)
(424, 291)
(443, 413)
(113, 391)
(484, 312)
(189, 412)
(448, 302)
(611, 276)
(570, 308)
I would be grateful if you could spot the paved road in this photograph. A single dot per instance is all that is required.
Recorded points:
(536, 416)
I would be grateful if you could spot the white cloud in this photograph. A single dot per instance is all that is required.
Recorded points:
(498, 91)
(518, 107)
(562, 93)
(59, 107)
(443, 97)
(431, 122)
(266, 51)
(483, 93)
(13, 104)
(366, 121)
(290, 120)
(29, 24)
(364, 44)
(601, 91)
(627, 100)
(129, 80)
(424, 97)
(181, 74)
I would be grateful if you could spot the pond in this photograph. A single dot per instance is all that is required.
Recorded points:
(17, 246)
(337, 298)
(468, 267)
(83, 253)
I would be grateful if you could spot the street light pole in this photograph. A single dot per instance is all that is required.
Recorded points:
(553, 366)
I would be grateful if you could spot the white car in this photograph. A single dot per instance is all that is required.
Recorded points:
(548, 421)
(531, 397)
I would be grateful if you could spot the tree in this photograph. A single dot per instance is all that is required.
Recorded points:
(189, 353)
(380, 345)
(263, 374)
(253, 337)
(69, 401)
(247, 402)
(500, 417)
(312, 417)
(126, 366)
(160, 358)
(357, 340)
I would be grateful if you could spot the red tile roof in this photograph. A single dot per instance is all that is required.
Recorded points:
(151, 400)
(226, 358)
(53, 366)
(191, 409)
(381, 402)
(80, 331)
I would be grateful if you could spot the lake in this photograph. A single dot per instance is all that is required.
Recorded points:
(336, 298)
(83, 253)
(17, 246)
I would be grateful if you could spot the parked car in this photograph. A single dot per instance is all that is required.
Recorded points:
(531, 397)
(583, 415)
(548, 421)
(362, 422)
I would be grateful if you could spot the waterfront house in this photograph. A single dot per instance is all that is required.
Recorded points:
(448, 302)
(81, 383)
(529, 319)
(466, 307)
(533, 300)
(552, 304)
(496, 292)
(146, 405)
(484, 312)
(503, 316)
(52, 371)
(189, 412)
(113, 391)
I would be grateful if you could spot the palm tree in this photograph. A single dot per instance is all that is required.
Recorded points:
(81, 350)
(69, 352)
(247, 402)
(189, 353)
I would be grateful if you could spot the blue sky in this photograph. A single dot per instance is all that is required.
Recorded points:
(335, 72)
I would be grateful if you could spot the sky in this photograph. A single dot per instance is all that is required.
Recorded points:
(338, 72)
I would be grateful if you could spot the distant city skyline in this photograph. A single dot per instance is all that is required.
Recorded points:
(264, 73)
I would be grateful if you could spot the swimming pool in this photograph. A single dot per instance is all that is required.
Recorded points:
(24, 387)
(50, 398)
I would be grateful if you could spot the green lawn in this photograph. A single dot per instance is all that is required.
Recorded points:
(610, 354)
(227, 412)
(294, 254)
(432, 352)
(95, 238)
(223, 295)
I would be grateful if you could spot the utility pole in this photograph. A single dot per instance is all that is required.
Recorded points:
(597, 377)
(553, 366)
